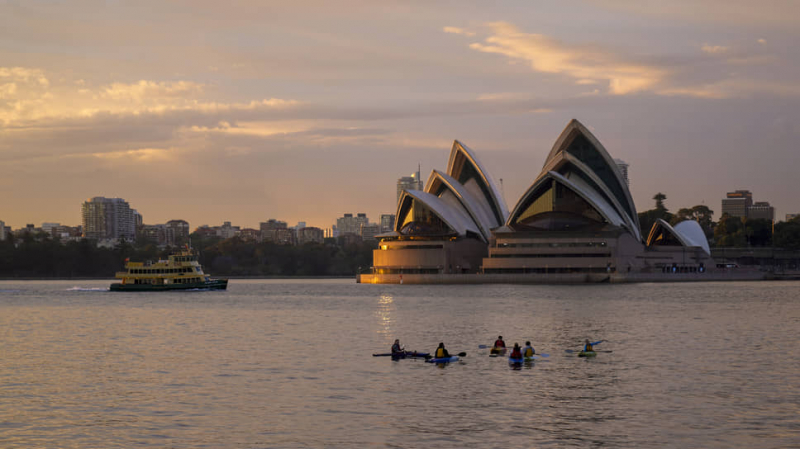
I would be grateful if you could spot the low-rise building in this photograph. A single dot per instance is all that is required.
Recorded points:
(310, 235)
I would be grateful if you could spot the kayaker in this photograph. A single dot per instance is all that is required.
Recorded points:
(441, 352)
(516, 353)
(588, 346)
(499, 343)
(396, 349)
(528, 350)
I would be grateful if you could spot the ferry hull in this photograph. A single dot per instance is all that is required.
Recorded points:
(214, 284)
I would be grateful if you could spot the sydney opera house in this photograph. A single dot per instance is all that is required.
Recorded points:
(576, 223)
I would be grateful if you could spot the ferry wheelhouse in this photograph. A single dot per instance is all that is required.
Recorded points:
(181, 272)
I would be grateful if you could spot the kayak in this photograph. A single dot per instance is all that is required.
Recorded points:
(587, 354)
(404, 355)
(443, 359)
(497, 351)
(516, 361)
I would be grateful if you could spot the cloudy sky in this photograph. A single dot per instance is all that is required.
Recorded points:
(242, 111)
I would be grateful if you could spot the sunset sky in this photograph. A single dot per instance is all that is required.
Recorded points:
(242, 111)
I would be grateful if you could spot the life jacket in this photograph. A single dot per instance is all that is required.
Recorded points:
(588, 348)
(516, 354)
(499, 344)
(529, 351)
(396, 348)
(441, 352)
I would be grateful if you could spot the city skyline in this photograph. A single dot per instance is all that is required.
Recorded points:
(307, 111)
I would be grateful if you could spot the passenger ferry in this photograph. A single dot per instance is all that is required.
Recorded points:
(180, 272)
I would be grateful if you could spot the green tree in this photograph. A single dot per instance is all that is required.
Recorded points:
(648, 218)
(787, 234)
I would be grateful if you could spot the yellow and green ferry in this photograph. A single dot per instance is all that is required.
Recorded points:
(181, 272)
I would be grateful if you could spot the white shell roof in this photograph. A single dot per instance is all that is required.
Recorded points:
(564, 158)
(475, 205)
(561, 145)
(453, 214)
(497, 196)
(693, 234)
(579, 187)
(593, 197)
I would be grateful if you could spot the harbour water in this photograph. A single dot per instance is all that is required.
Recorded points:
(288, 364)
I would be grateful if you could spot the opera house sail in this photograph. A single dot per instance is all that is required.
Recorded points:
(575, 223)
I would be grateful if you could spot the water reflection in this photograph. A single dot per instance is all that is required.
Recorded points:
(697, 365)
(384, 313)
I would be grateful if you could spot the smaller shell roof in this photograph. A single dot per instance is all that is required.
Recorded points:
(693, 233)
(456, 217)
(688, 233)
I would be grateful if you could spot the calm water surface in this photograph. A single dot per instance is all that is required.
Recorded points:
(288, 364)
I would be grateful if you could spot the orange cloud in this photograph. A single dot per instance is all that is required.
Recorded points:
(150, 89)
(456, 30)
(586, 65)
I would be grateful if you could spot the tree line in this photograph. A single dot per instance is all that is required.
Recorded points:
(42, 256)
(728, 232)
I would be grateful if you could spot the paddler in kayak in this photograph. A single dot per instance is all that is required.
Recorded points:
(587, 347)
(397, 349)
(528, 350)
(516, 353)
(441, 352)
(499, 343)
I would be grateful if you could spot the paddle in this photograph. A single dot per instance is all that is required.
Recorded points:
(460, 354)
(402, 354)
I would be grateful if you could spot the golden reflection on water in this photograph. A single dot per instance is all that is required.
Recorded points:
(385, 312)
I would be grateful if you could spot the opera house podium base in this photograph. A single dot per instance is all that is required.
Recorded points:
(741, 274)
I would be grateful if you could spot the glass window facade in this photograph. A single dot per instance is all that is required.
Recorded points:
(417, 219)
(581, 148)
(663, 237)
(554, 207)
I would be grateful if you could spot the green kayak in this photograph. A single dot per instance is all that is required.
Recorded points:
(587, 354)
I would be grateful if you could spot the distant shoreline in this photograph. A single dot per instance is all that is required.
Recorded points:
(225, 277)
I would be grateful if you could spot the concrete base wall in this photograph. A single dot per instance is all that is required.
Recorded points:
(561, 278)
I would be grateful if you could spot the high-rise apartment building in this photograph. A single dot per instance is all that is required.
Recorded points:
(350, 224)
(737, 203)
(2, 230)
(413, 182)
(108, 218)
(387, 222)
(623, 168)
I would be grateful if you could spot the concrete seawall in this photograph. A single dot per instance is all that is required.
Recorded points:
(563, 278)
